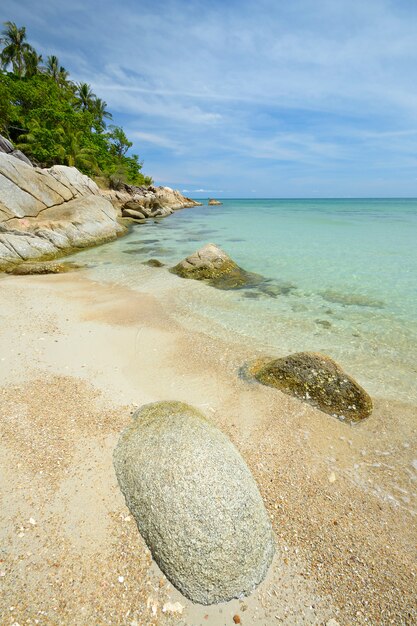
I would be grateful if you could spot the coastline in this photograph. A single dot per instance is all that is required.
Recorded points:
(344, 547)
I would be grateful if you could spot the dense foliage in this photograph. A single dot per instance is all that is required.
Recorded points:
(53, 120)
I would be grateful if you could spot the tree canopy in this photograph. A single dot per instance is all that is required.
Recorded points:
(54, 120)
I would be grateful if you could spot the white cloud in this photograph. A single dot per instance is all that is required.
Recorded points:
(252, 93)
(155, 139)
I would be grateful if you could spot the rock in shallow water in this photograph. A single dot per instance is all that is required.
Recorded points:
(212, 264)
(47, 267)
(195, 502)
(319, 380)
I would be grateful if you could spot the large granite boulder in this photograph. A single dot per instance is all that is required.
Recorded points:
(213, 202)
(46, 213)
(195, 502)
(320, 381)
(211, 264)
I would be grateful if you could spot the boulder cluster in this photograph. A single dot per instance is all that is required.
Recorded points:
(142, 203)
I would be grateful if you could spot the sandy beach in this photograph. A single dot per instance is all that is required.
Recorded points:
(77, 358)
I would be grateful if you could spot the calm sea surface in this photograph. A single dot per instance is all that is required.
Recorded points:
(343, 272)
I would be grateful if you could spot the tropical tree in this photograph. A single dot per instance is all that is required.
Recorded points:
(78, 155)
(15, 48)
(32, 63)
(120, 144)
(86, 97)
(53, 69)
(99, 110)
(54, 120)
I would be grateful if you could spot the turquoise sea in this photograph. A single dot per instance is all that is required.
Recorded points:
(343, 272)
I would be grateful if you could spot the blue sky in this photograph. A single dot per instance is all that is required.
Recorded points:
(265, 98)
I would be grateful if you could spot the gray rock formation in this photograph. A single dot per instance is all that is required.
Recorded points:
(7, 147)
(195, 502)
(142, 203)
(214, 266)
(213, 202)
(46, 213)
(320, 381)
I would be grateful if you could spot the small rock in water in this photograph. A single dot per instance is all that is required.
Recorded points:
(211, 264)
(324, 323)
(236, 619)
(154, 263)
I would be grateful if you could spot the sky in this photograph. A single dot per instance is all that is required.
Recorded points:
(242, 98)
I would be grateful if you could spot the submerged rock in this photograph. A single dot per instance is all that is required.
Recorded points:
(214, 266)
(47, 267)
(154, 263)
(195, 502)
(319, 380)
(351, 299)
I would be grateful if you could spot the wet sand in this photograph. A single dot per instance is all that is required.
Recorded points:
(76, 359)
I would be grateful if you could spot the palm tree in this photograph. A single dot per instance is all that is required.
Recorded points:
(15, 48)
(77, 155)
(53, 69)
(62, 76)
(100, 112)
(86, 97)
(32, 63)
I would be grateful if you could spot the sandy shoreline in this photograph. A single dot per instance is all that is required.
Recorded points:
(76, 358)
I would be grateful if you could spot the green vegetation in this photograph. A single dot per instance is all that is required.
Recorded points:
(53, 120)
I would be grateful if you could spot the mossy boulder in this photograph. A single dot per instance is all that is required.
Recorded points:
(320, 381)
(195, 502)
(212, 265)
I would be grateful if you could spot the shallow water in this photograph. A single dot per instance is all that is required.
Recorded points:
(343, 279)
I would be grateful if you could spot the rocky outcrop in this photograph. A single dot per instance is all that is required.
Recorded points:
(7, 147)
(142, 203)
(47, 213)
(215, 267)
(195, 502)
(320, 381)
(213, 202)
